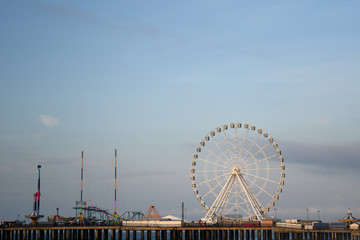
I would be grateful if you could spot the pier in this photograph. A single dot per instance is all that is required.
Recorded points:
(172, 233)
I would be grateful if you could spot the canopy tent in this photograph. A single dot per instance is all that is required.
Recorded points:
(171, 217)
(349, 218)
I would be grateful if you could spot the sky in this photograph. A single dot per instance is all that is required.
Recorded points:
(152, 78)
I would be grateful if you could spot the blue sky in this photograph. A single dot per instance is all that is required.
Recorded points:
(151, 79)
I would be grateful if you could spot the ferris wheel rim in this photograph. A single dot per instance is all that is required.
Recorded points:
(220, 173)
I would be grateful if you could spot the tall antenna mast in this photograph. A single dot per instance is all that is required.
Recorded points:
(115, 179)
(115, 217)
(81, 216)
(82, 178)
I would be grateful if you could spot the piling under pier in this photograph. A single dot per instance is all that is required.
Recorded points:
(172, 233)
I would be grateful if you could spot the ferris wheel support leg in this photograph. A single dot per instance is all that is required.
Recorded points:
(219, 207)
(220, 198)
(226, 195)
(255, 205)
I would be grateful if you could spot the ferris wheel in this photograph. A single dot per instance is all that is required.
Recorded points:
(237, 172)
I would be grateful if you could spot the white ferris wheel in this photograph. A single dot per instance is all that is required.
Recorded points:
(237, 172)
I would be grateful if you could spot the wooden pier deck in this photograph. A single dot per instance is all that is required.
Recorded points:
(172, 233)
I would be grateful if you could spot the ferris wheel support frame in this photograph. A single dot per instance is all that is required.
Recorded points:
(220, 201)
(254, 202)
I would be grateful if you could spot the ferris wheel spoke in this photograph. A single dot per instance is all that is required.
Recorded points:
(243, 142)
(215, 155)
(262, 189)
(233, 200)
(236, 140)
(255, 176)
(261, 149)
(222, 151)
(248, 207)
(253, 201)
(215, 187)
(240, 192)
(252, 145)
(208, 171)
(213, 163)
(261, 160)
(218, 204)
(228, 143)
(243, 206)
(246, 159)
(212, 179)
(233, 134)
(247, 211)
(236, 204)
(260, 169)
(223, 202)
(232, 197)
(232, 207)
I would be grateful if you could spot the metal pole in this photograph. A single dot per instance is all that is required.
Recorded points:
(307, 214)
(81, 194)
(115, 178)
(38, 200)
(182, 214)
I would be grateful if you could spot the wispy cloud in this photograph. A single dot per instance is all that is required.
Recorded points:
(48, 120)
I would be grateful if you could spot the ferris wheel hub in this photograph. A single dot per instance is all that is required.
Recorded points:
(236, 171)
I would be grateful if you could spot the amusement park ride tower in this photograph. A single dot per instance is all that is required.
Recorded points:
(115, 217)
(35, 215)
(80, 217)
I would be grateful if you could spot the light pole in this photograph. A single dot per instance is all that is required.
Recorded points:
(318, 214)
(307, 214)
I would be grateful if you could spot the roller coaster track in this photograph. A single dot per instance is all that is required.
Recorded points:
(132, 215)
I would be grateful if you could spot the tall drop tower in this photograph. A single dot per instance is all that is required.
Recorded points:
(35, 215)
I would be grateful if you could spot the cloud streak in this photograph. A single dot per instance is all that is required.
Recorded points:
(48, 120)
